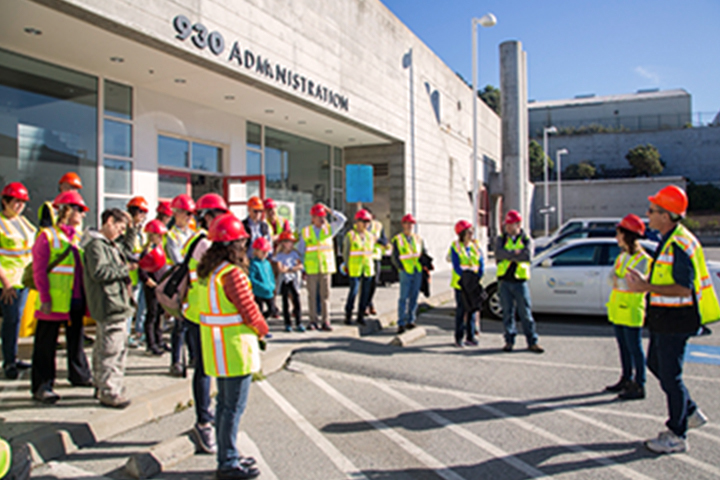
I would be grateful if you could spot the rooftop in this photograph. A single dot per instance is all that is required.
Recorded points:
(581, 100)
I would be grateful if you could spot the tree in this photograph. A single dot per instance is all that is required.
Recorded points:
(645, 160)
(579, 171)
(491, 96)
(536, 162)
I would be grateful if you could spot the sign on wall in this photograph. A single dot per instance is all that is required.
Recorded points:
(359, 183)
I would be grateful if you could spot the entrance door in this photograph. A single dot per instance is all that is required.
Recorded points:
(237, 189)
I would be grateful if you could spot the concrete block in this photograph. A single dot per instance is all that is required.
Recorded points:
(371, 326)
(274, 358)
(408, 337)
(160, 457)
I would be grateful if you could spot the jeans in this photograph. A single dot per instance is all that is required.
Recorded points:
(464, 324)
(514, 294)
(12, 313)
(409, 291)
(177, 339)
(231, 401)
(375, 283)
(201, 382)
(629, 341)
(666, 354)
(290, 295)
(364, 283)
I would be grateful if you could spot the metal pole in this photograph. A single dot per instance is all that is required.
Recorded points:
(474, 123)
(559, 189)
(412, 140)
(545, 181)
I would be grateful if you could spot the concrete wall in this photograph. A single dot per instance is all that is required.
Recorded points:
(693, 152)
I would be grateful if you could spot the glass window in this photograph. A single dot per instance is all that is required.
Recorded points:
(254, 163)
(276, 165)
(254, 135)
(571, 226)
(173, 152)
(118, 138)
(613, 252)
(114, 202)
(206, 157)
(337, 157)
(118, 176)
(48, 127)
(170, 186)
(581, 255)
(118, 100)
(337, 178)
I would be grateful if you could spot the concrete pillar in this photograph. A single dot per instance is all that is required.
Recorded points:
(515, 153)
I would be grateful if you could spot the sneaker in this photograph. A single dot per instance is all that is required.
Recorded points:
(632, 392)
(132, 342)
(247, 461)
(11, 372)
(46, 396)
(326, 327)
(204, 438)
(458, 344)
(114, 401)
(177, 370)
(697, 419)
(288, 328)
(621, 385)
(313, 326)
(471, 343)
(535, 348)
(300, 329)
(240, 472)
(372, 311)
(23, 365)
(508, 347)
(667, 442)
(401, 330)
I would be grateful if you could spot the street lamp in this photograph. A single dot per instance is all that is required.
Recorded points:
(546, 207)
(487, 20)
(559, 153)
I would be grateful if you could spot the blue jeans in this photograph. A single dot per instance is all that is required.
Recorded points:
(12, 313)
(464, 324)
(629, 341)
(231, 401)
(666, 354)
(512, 295)
(201, 382)
(364, 284)
(409, 291)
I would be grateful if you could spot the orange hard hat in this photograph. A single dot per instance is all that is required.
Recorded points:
(164, 208)
(287, 235)
(226, 228)
(318, 210)
(16, 190)
(671, 198)
(513, 216)
(183, 202)
(140, 203)
(212, 201)
(262, 244)
(71, 197)
(461, 226)
(72, 179)
(254, 203)
(632, 223)
(408, 218)
(155, 226)
(153, 260)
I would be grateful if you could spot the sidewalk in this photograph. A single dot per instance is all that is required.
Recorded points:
(78, 420)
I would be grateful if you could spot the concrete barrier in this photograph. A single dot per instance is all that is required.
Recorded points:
(160, 457)
(409, 336)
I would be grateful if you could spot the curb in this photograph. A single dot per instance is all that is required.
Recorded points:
(408, 337)
(159, 457)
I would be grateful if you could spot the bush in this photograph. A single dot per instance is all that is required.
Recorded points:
(536, 162)
(645, 160)
(580, 171)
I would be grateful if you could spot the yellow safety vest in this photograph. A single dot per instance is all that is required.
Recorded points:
(708, 306)
(5, 457)
(376, 229)
(360, 263)
(229, 347)
(278, 227)
(624, 307)
(191, 305)
(179, 237)
(15, 248)
(319, 252)
(62, 277)
(522, 271)
(468, 260)
(138, 243)
(47, 210)
(409, 252)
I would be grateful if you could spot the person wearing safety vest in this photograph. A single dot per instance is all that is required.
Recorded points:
(46, 213)
(316, 248)
(381, 242)
(513, 251)
(230, 324)
(254, 223)
(17, 236)
(681, 299)
(276, 223)
(61, 298)
(465, 254)
(358, 250)
(209, 207)
(407, 249)
(626, 310)
(151, 266)
(138, 209)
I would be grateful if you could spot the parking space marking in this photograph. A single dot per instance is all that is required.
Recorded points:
(341, 461)
(707, 354)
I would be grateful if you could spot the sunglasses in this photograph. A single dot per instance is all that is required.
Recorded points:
(76, 208)
(653, 210)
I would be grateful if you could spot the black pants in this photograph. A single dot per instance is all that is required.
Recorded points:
(46, 336)
(375, 283)
(153, 320)
(290, 294)
(265, 305)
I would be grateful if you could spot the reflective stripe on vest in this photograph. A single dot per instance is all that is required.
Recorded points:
(61, 278)
(624, 307)
(319, 252)
(360, 263)
(409, 252)
(469, 260)
(522, 271)
(15, 248)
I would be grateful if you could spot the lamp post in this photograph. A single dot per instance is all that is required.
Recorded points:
(558, 154)
(546, 206)
(487, 20)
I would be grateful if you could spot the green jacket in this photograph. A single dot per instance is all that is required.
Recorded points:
(106, 277)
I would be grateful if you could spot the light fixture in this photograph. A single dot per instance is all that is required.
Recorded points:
(488, 20)
(229, 97)
(351, 139)
(117, 59)
(328, 131)
(151, 71)
(269, 110)
(180, 80)
(301, 122)
(32, 31)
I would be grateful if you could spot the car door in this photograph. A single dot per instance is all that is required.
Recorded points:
(608, 264)
(572, 281)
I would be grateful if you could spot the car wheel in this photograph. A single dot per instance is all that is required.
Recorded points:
(492, 308)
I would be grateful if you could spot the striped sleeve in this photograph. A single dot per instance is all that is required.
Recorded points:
(238, 291)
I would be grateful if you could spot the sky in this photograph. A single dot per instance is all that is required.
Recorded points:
(577, 47)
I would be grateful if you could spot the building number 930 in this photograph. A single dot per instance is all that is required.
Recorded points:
(199, 34)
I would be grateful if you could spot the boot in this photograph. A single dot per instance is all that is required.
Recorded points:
(348, 318)
(361, 319)
(632, 392)
(621, 385)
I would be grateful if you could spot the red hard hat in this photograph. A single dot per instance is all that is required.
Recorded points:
(286, 235)
(164, 208)
(408, 218)
(318, 210)
(513, 216)
(461, 226)
(183, 202)
(153, 260)
(254, 203)
(155, 226)
(226, 228)
(633, 223)
(71, 197)
(269, 204)
(16, 190)
(140, 203)
(212, 201)
(671, 198)
(72, 179)
(363, 215)
(262, 243)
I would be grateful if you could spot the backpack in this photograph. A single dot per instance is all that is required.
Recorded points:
(173, 286)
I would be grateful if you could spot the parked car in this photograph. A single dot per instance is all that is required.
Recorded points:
(589, 223)
(574, 235)
(572, 278)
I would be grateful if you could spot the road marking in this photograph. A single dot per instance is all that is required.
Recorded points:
(250, 449)
(425, 458)
(707, 354)
(341, 461)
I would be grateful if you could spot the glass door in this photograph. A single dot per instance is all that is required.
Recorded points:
(237, 190)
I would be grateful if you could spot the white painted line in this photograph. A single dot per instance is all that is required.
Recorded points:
(705, 355)
(249, 449)
(425, 458)
(341, 461)
(655, 418)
